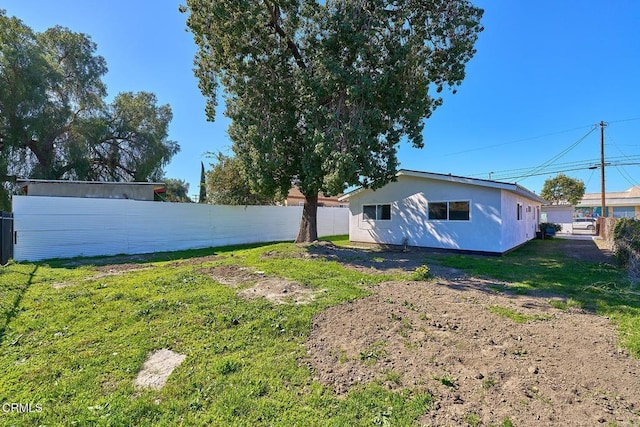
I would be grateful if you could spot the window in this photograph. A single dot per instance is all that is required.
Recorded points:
(438, 210)
(377, 212)
(624, 212)
(519, 211)
(451, 211)
(458, 211)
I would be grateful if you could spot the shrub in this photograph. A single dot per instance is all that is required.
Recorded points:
(626, 240)
(626, 246)
(421, 273)
(544, 225)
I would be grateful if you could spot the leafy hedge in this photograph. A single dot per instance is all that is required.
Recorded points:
(626, 240)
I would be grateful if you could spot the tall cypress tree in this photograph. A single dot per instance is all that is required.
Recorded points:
(203, 185)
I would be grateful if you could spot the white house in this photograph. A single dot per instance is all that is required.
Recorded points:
(445, 211)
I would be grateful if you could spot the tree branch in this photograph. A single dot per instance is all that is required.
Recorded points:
(274, 11)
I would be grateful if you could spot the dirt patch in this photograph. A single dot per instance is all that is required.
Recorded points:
(277, 290)
(117, 270)
(454, 337)
(281, 292)
(157, 368)
(107, 271)
(560, 367)
(232, 275)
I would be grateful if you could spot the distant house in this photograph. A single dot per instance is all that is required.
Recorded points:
(444, 211)
(92, 189)
(296, 198)
(621, 204)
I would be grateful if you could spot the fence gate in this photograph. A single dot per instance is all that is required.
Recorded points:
(6, 237)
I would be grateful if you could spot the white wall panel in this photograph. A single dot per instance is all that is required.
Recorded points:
(63, 227)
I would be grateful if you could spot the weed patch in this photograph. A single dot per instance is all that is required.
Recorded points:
(516, 316)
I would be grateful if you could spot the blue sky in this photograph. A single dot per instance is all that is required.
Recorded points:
(545, 73)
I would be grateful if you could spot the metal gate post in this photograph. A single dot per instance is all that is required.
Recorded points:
(6, 237)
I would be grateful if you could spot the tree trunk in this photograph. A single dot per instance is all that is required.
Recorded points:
(309, 223)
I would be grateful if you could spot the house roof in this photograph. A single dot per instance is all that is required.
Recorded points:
(513, 187)
(295, 193)
(630, 197)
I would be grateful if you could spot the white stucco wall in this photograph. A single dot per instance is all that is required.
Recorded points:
(516, 232)
(492, 227)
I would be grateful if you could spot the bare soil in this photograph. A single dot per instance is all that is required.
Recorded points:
(276, 290)
(561, 367)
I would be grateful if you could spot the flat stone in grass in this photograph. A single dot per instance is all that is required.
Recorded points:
(157, 368)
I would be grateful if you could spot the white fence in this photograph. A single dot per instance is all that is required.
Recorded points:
(64, 227)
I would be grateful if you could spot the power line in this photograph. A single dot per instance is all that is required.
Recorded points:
(625, 120)
(487, 147)
(559, 155)
(562, 167)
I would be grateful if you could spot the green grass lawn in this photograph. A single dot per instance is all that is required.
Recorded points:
(76, 349)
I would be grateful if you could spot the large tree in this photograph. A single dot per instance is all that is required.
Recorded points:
(320, 93)
(54, 121)
(563, 190)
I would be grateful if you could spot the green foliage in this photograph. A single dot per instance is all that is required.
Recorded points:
(54, 122)
(626, 239)
(514, 315)
(543, 226)
(447, 380)
(563, 190)
(421, 273)
(177, 190)
(472, 419)
(202, 198)
(227, 184)
(322, 93)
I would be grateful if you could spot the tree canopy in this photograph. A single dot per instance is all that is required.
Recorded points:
(227, 184)
(177, 190)
(54, 121)
(563, 190)
(320, 93)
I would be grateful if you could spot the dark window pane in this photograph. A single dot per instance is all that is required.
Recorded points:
(438, 210)
(369, 212)
(384, 212)
(459, 211)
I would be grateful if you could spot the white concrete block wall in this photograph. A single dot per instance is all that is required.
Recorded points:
(63, 227)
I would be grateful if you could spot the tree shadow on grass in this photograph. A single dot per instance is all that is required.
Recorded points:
(12, 310)
(555, 268)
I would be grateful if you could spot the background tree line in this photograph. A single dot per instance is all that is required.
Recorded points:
(55, 122)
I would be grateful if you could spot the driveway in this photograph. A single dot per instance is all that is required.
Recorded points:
(584, 247)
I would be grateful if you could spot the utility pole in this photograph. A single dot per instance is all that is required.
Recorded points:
(602, 198)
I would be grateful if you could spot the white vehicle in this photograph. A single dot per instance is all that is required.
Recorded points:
(584, 224)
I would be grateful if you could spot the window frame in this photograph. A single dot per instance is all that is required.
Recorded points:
(519, 212)
(448, 204)
(379, 209)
